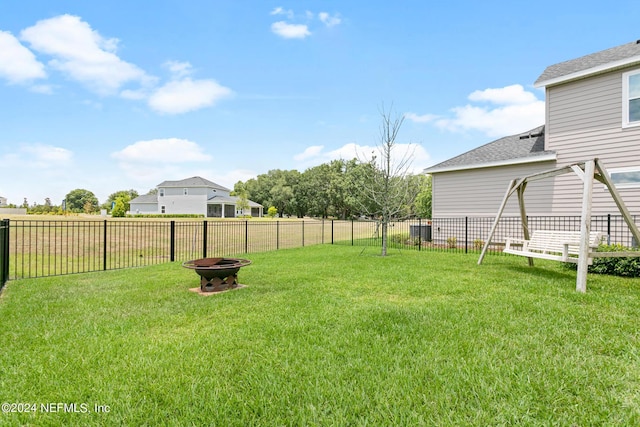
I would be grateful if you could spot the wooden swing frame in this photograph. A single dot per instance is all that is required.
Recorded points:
(587, 171)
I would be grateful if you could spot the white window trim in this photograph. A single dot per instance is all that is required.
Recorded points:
(625, 100)
(185, 191)
(622, 170)
(161, 192)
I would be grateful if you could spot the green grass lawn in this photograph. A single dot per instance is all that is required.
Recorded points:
(325, 335)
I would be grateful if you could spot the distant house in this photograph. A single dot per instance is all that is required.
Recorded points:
(194, 195)
(592, 110)
(3, 202)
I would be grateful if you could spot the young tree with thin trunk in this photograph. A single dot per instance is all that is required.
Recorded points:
(384, 186)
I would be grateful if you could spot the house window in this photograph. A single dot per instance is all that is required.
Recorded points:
(631, 98)
(161, 191)
(162, 209)
(626, 177)
(185, 191)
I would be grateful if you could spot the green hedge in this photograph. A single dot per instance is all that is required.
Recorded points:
(165, 216)
(623, 267)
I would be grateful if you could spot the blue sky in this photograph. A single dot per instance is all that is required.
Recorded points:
(109, 96)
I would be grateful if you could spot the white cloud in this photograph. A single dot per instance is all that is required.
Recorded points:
(82, 53)
(17, 63)
(162, 151)
(85, 56)
(147, 163)
(425, 118)
(179, 69)
(328, 20)
(309, 153)
(508, 95)
(144, 176)
(43, 171)
(314, 155)
(181, 96)
(40, 156)
(48, 154)
(290, 31)
(514, 110)
(280, 11)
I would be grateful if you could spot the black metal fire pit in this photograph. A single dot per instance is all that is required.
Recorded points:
(217, 274)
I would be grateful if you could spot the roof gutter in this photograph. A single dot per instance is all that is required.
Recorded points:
(589, 71)
(543, 158)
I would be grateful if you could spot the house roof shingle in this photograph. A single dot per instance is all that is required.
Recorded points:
(194, 181)
(145, 198)
(619, 56)
(231, 200)
(519, 148)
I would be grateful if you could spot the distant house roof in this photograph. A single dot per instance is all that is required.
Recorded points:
(231, 200)
(145, 198)
(526, 147)
(194, 181)
(153, 198)
(606, 60)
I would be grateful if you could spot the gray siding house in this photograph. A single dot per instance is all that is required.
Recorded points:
(194, 195)
(592, 110)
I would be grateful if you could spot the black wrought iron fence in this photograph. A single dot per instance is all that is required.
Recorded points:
(37, 248)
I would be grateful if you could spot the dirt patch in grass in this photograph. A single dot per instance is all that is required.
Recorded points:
(206, 294)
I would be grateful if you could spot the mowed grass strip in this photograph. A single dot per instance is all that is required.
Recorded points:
(326, 335)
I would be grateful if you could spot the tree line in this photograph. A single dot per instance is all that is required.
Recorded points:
(336, 189)
(81, 200)
(328, 190)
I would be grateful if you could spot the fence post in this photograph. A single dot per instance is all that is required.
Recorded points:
(104, 246)
(608, 229)
(246, 236)
(332, 232)
(419, 234)
(351, 231)
(4, 252)
(172, 249)
(205, 236)
(466, 234)
(303, 233)
(277, 235)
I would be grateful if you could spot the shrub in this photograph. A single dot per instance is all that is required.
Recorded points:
(272, 212)
(401, 239)
(119, 209)
(452, 242)
(624, 267)
(478, 244)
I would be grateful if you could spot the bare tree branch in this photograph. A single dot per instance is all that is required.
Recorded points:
(386, 190)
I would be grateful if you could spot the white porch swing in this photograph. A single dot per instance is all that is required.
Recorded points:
(567, 246)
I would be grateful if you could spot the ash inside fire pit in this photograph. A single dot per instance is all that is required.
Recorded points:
(217, 274)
